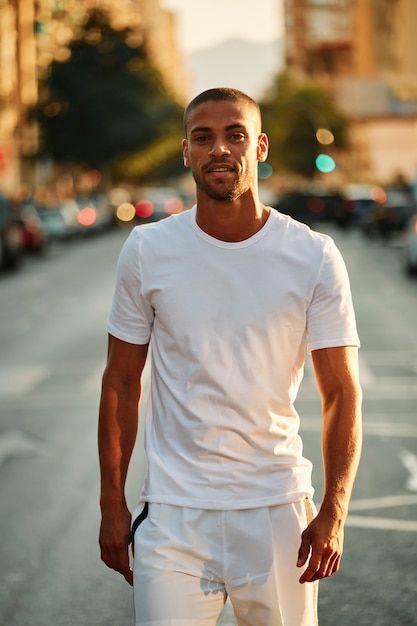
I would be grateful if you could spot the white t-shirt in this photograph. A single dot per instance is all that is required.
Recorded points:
(229, 324)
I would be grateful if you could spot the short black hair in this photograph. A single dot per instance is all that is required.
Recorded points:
(220, 94)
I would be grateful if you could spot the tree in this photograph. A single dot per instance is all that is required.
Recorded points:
(298, 118)
(106, 101)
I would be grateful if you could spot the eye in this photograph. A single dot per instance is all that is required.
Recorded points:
(237, 137)
(201, 138)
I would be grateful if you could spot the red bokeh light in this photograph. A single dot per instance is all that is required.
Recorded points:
(173, 206)
(144, 208)
(378, 195)
(87, 216)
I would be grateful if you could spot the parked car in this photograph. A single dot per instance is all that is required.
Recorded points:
(11, 242)
(312, 206)
(55, 225)
(95, 213)
(156, 203)
(391, 215)
(35, 238)
(362, 199)
(409, 249)
(70, 212)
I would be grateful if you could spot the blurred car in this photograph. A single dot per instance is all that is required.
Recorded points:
(55, 225)
(312, 206)
(95, 213)
(362, 199)
(409, 249)
(156, 203)
(391, 214)
(35, 238)
(70, 211)
(11, 241)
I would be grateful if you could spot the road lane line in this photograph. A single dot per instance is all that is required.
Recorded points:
(18, 380)
(14, 443)
(367, 377)
(409, 460)
(381, 523)
(383, 502)
(380, 429)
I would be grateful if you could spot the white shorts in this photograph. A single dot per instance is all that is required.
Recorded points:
(189, 561)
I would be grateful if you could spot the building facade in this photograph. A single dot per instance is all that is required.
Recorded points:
(365, 53)
(34, 33)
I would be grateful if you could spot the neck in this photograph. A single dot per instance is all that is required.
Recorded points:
(230, 221)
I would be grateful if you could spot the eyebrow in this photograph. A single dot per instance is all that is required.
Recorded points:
(207, 129)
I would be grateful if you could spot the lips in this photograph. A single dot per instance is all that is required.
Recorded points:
(219, 168)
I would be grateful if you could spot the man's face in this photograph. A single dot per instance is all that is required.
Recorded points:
(223, 146)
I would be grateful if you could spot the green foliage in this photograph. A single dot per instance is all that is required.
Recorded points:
(292, 114)
(106, 101)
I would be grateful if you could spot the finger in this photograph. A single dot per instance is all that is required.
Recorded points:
(304, 550)
(333, 565)
(117, 560)
(105, 557)
(323, 569)
(315, 564)
(310, 573)
(128, 576)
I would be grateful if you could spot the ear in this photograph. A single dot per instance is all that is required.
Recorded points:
(185, 153)
(262, 147)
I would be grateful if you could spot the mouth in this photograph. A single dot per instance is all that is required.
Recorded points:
(219, 168)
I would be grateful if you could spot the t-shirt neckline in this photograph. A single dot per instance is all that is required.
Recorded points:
(219, 243)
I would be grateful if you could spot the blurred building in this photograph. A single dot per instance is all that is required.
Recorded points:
(18, 88)
(365, 53)
(33, 33)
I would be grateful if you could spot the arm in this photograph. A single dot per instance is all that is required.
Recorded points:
(337, 375)
(117, 429)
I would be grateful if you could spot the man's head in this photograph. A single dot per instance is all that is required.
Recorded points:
(222, 94)
(224, 143)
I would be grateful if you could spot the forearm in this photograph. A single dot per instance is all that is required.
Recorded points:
(341, 446)
(118, 424)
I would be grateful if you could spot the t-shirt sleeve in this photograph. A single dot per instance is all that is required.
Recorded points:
(331, 318)
(131, 315)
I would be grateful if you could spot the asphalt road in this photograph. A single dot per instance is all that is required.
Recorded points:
(52, 352)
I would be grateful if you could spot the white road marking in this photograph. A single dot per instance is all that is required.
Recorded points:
(383, 502)
(382, 523)
(92, 383)
(377, 428)
(383, 388)
(409, 460)
(14, 443)
(18, 380)
(366, 376)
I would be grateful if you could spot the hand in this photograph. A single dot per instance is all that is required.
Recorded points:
(323, 541)
(114, 540)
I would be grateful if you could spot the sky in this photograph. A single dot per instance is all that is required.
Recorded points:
(204, 23)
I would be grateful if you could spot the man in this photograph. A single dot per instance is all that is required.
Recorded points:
(231, 294)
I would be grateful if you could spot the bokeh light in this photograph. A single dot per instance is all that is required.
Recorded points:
(144, 208)
(378, 195)
(87, 216)
(264, 171)
(173, 206)
(324, 136)
(325, 163)
(125, 212)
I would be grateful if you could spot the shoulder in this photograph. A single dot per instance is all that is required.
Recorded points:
(297, 232)
(167, 227)
(156, 236)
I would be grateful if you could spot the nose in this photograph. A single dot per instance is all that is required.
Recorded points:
(219, 148)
